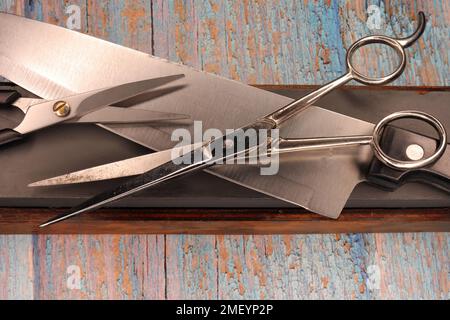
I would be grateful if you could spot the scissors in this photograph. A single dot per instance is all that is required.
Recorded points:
(141, 164)
(226, 147)
(88, 107)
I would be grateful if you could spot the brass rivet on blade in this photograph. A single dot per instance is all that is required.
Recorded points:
(61, 108)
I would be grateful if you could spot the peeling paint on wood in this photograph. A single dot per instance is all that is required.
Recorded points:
(16, 267)
(128, 23)
(334, 266)
(265, 42)
(191, 267)
(297, 42)
(356, 266)
(111, 267)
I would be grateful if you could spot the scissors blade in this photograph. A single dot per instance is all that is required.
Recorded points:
(119, 169)
(112, 115)
(165, 172)
(211, 152)
(42, 115)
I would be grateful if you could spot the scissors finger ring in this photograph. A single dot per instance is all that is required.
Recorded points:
(403, 164)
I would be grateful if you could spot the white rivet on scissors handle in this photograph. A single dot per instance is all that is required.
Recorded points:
(414, 152)
(414, 164)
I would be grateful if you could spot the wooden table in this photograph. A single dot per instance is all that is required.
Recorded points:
(265, 42)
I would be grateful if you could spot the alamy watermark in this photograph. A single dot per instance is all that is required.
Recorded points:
(234, 146)
(373, 277)
(73, 277)
(73, 21)
(374, 18)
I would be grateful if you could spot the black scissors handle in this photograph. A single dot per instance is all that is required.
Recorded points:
(7, 97)
(9, 135)
(402, 144)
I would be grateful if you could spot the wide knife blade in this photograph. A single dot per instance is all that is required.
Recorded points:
(35, 55)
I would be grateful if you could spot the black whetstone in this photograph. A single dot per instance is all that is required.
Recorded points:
(67, 148)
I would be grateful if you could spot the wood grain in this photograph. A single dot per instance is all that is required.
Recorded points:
(263, 42)
(191, 267)
(413, 265)
(16, 267)
(128, 22)
(288, 42)
(110, 266)
(332, 267)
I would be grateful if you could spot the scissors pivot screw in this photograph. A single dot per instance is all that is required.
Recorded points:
(61, 108)
(414, 152)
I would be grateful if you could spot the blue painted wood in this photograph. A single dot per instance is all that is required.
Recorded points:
(356, 266)
(110, 267)
(16, 267)
(298, 42)
(191, 267)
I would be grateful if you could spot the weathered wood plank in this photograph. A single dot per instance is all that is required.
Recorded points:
(111, 267)
(413, 265)
(357, 266)
(298, 42)
(126, 22)
(191, 267)
(54, 12)
(16, 267)
(154, 277)
(305, 267)
(176, 31)
(291, 267)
